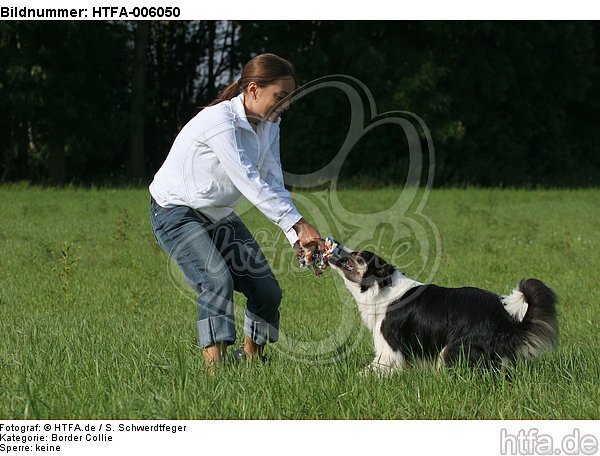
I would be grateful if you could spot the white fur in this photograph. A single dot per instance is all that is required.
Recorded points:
(386, 359)
(373, 303)
(515, 304)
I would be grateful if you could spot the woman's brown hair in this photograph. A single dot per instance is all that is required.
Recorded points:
(264, 69)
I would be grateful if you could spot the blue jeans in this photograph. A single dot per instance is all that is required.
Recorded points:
(217, 258)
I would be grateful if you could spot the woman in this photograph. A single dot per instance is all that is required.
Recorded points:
(229, 150)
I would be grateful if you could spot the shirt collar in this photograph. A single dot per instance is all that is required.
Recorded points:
(237, 106)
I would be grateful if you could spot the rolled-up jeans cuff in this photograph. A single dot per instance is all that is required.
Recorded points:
(213, 330)
(259, 330)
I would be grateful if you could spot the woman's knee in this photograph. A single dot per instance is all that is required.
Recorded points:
(274, 294)
(265, 300)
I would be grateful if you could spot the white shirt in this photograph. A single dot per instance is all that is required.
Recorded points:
(217, 158)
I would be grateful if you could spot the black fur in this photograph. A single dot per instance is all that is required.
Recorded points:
(468, 321)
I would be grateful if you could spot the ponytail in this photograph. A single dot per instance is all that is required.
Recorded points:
(229, 92)
(264, 69)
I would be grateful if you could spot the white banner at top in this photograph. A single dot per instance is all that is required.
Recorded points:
(304, 10)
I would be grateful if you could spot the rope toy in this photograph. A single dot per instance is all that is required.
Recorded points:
(320, 258)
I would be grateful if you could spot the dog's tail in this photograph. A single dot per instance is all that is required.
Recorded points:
(534, 305)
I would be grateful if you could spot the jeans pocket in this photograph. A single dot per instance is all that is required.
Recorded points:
(154, 232)
(157, 224)
(156, 216)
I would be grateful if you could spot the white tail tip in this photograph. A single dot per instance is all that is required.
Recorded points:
(515, 304)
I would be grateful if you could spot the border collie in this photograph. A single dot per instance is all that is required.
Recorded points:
(433, 325)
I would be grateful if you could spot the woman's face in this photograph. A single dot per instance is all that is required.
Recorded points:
(268, 102)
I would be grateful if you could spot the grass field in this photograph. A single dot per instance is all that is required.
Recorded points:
(95, 324)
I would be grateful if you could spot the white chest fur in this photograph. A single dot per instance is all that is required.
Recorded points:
(373, 302)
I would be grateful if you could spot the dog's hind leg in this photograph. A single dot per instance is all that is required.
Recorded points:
(464, 352)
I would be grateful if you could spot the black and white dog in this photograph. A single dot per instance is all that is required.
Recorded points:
(433, 325)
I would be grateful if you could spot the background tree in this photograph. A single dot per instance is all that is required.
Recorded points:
(138, 93)
(63, 87)
(507, 103)
(187, 62)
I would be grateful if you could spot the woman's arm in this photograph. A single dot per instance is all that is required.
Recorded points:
(241, 167)
(305, 233)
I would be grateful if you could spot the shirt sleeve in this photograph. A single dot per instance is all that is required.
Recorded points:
(241, 165)
(273, 173)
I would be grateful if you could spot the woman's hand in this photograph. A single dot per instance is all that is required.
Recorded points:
(309, 238)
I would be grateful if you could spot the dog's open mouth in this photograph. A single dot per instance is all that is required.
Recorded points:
(344, 263)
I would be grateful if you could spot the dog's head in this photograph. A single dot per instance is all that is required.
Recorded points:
(364, 269)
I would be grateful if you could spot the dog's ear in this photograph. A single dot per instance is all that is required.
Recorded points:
(384, 275)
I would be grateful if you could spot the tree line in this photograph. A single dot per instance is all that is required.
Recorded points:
(507, 103)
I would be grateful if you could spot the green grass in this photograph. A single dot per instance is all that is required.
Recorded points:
(94, 325)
